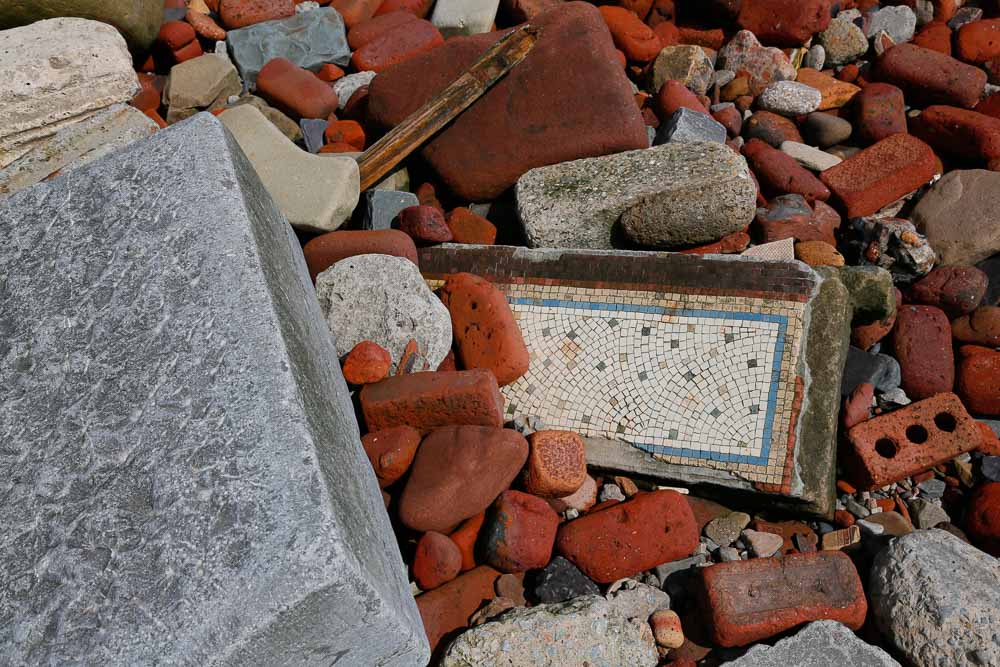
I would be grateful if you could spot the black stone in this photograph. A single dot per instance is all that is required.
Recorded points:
(560, 580)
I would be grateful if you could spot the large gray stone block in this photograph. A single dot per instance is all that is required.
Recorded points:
(183, 481)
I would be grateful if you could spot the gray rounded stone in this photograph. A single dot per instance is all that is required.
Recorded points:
(790, 98)
(938, 600)
(843, 41)
(385, 300)
(825, 130)
(899, 22)
(724, 530)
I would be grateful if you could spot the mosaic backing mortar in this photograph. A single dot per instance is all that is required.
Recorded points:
(694, 361)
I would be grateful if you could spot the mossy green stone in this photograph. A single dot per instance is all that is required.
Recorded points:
(137, 20)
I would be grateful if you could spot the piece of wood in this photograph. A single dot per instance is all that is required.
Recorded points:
(420, 126)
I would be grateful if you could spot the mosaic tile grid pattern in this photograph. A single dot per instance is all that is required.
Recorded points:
(694, 376)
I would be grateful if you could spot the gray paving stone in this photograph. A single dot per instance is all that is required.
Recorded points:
(183, 478)
(382, 207)
(819, 644)
(687, 126)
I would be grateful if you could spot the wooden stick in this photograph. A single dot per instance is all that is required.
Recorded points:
(421, 125)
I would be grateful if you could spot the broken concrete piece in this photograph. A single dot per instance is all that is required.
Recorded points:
(137, 20)
(201, 82)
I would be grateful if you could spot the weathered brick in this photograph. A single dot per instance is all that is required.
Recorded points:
(930, 77)
(448, 607)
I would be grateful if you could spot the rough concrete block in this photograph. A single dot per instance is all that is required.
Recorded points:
(183, 478)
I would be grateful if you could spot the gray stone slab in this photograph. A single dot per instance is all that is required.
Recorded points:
(309, 39)
(687, 126)
(819, 644)
(382, 207)
(183, 478)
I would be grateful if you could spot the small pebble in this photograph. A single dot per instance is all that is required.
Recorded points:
(790, 98)
(932, 489)
(611, 492)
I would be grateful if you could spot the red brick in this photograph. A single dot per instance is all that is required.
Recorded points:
(880, 174)
(373, 28)
(771, 128)
(396, 46)
(980, 327)
(709, 38)
(959, 132)
(486, 333)
(858, 406)
(779, 173)
(747, 601)
(668, 33)
(469, 227)
(733, 243)
(428, 400)
(880, 111)
(887, 448)
(978, 42)
(325, 250)
(151, 92)
(436, 561)
(355, 11)
(929, 77)
(205, 26)
(989, 105)
(448, 607)
(345, 132)
(519, 532)
(629, 537)
(175, 35)
(921, 342)
(784, 22)
(635, 39)
(367, 362)
(979, 379)
(935, 36)
(982, 521)
(782, 219)
(557, 464)
(541, 113)
(294, 90)
(674, 95)
(519, 11)
(957, 290)
(391, 452)
(465, 537)
(419, 8)
(330, 73)
(241, 13)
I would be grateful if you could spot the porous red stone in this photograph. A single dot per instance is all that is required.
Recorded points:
(674, 95)
(668, 33)
(778, 173)
(791, 217)
(978, 42)
(980, 327)
(834, 93)
(540, 113)
(978, 382)
(419, 8)
(241, 13)
(887, 448)
(880, 174)
(935, 36)
(930, 77)
(428, 400)
(921, 342)
(325, 250)
(375, 27)
(449, 607)
(294, 90)
(959, 132)
(880, 111)
(747, 601)
(469, 227)
(465, 537)
(397, 45)
(736, 242)
(355, 11)
(519, 11)
(347, 132)
(982, 519)
(519, 532)
(957, 290)
(629, 537)
(205, 26)
(436, 561)
(486, 333)
(557, 464)
(635, 39)
(391, 452)
(771, 128)
(784, 22)
(989, 105)
(367, 362)
(858, 406)
(357, 105)
(329, 72)
(731, 119)
(175, 35)
(425, 224)
(150, 93)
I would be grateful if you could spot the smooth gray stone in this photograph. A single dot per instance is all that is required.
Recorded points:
(991, 468)
(879, 370)
(183, 478)
(312, 132)
(819, 644)
(938, 600)
(309, 39)
(687, 126)
(382, 207)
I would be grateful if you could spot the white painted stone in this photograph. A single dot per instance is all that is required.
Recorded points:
(464, 17)
(58, 71)
(347, 85)
(809, 156)
(313, 192)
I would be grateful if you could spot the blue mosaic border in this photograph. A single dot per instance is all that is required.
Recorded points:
(781, 320)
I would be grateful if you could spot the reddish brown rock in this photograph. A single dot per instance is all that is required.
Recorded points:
(982, 519)
(373, 28)
(866, 335)
(419, 8)
(880, 174)
(880, 111)
(629, 537)
(582, 500)
(295, 91)
(935, 36)
(519, 532)
(980, 327)
(436, 561)
(978, 382)
(347, 132)
(367, 362)
(731, 119)
(150, 93)
(736, 242)
(704, 510)
(779, 173)
(989, 105)
(205, 26)
(834, 93)
(176, 42)
(465, 536)
(325, 250)
(959, 132)
(241, 13)
(887, 448)
(790, 216)
(457, 473)
(469, 227)
(747, 601)
(771, 128)
(635, 39)
(486, 333)
(674, 95)
(424, 224)
(929, 77)
(784, 22)
(329, 72)
(921, 342)
(355, 11)
(541, 113)
(858, 406)
(449, 607)
(428, 400)
(397, 45)
(978, 42)
(957, 290)
(391, 452)
(557, 464)
(519, 11)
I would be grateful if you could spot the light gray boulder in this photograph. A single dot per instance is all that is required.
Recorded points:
(183, 478)
(687, 126)
(819, 644)
(937, 599)
(207, 81)
(383, 299)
